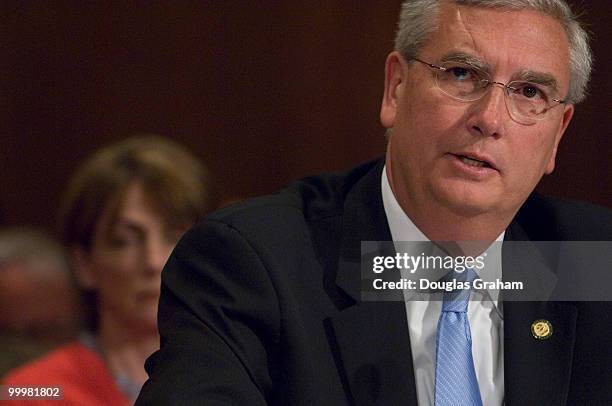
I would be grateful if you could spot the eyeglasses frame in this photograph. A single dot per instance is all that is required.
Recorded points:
(506, 87)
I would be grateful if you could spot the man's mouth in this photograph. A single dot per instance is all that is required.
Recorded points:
(473, 162)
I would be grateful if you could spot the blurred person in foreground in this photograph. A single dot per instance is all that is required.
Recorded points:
(38, 299)
(262, 302)
(121, 215)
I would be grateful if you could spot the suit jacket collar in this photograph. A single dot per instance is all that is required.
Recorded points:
(364, 219)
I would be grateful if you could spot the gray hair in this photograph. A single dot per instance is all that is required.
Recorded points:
(418, 20)
(32, 247)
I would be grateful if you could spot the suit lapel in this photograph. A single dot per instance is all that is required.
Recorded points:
(536, 371)
(374, 352)
(372, 338)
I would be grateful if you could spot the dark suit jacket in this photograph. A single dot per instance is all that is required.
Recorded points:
(260, 304)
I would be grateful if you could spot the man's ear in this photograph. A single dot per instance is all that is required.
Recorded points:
(568, 113)
(83, 269)
(394, 85)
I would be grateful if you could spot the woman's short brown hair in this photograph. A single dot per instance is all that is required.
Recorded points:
(175, 182)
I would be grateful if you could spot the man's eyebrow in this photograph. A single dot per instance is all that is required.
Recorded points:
(541, 78)
(465, 58)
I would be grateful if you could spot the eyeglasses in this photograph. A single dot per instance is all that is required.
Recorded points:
(527, 102)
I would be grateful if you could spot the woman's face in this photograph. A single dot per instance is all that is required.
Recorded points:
(125, 261)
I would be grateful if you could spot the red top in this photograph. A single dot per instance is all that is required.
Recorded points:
(82, 374)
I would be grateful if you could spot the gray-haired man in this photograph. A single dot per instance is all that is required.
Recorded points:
(261, 303)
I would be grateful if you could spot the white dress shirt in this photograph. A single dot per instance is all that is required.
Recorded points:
(484, 315)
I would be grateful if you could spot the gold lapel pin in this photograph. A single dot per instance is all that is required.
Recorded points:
(541, 329)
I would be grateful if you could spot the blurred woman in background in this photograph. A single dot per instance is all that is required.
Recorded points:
(122, 214)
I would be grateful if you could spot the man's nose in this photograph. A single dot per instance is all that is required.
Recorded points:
(487, 115)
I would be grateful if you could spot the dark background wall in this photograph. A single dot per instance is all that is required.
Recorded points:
(262, 91)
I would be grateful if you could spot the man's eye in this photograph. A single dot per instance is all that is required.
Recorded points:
(461, 73)
(529, 91)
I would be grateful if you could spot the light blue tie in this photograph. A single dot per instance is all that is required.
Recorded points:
(456, 382)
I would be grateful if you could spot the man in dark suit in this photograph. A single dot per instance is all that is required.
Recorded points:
(261, 303)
